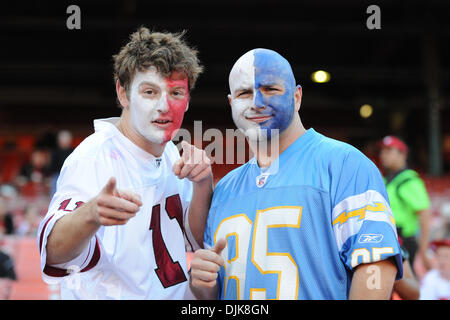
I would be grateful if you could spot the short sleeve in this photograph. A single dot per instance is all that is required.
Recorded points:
(78, 183)
(414, 193)
(428, 286)
(362, 220)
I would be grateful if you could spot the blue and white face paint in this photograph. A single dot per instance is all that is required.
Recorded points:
(262, 87)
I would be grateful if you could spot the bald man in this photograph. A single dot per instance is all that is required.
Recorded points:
(306, 218)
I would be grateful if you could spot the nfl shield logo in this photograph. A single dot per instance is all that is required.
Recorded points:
(158, 162)
(261, 180)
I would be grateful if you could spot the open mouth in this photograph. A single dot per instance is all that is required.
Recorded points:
(162, 123)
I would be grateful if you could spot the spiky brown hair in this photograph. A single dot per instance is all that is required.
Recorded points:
(166, 51)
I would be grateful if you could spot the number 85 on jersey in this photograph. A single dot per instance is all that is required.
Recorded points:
(237, 230)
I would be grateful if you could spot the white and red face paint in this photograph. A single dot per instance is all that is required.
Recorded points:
(158, 104)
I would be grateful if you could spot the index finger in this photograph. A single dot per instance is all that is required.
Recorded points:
(187, 150)
(119, 204)
(177, 166)
(130, 196)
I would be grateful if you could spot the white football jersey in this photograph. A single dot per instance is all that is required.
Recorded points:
(143, 259)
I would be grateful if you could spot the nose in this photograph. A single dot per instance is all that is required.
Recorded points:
(258, 108)
(259, 103)
(163, 104)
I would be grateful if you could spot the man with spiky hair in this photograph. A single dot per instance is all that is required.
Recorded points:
(126, 204)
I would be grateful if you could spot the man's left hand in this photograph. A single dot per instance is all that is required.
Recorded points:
(194, 164)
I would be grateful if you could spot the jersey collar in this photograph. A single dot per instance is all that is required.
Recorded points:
(293, 147)
(109, 124)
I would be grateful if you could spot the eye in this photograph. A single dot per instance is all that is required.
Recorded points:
(244, 93)
(270, 89)
(178, 93)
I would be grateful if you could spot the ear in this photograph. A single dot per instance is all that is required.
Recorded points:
(187, 107)
(122, 95)
(298, 98)
(229, 100)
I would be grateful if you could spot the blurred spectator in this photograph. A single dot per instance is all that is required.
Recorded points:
(59, 155)
(34, 175)
(8, 192)
(6, 218)
(8, 198)
(30, 223)
(442, 229)
(37, 169)
(436, 283)
(7, 275)
(408, 197)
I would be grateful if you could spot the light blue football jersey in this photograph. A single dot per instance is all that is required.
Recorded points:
(298, 229)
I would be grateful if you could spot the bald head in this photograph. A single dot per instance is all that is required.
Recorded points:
(265, 64)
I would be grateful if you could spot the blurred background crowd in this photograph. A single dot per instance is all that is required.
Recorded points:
(29, 170)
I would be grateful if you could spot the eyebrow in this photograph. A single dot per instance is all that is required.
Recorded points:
(243, 89)
(148, 83)
(272, 84)
(172, 85)
(182, 83)
(279, 87)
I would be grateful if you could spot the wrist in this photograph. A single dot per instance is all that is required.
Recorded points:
(206, 182)
(89, 213)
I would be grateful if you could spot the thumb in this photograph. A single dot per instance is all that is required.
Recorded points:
(220, 245)
(110, 186)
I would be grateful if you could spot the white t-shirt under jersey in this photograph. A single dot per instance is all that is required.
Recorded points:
(143, 259)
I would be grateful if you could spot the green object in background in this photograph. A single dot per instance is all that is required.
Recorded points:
(407, 195)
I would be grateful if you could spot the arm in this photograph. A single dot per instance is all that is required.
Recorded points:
(373, 281)
(424, 219)
(199, 208)
(408, 287)
(71, 234)
(415, 195)
(196, 166)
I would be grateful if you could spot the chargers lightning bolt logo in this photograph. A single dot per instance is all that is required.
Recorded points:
(361, 213)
